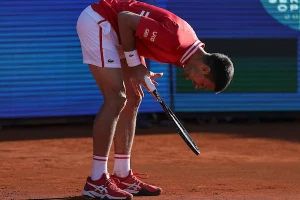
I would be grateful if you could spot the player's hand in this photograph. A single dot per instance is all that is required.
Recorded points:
(154, 76)
(137, 78)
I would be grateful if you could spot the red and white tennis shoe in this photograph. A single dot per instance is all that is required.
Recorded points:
(136, 187)
(104, 188)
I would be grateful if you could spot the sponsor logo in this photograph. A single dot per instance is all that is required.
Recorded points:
(284, 11)
(154, 34)
(110, 61)
(146, 33)
(130, 55)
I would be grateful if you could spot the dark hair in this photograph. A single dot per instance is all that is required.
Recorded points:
(221, 70)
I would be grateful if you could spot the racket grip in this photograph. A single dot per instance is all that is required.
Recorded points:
(149, 84)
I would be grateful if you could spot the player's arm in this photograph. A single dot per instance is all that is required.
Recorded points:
(163, 33)
(128, 23)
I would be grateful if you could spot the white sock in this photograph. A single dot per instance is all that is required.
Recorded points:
(99, 167)
(122, 165)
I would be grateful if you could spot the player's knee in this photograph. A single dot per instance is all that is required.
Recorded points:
(133, 100)
(115, 99)
(116, 103)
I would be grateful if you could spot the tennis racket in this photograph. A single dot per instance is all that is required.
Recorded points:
(171, 116)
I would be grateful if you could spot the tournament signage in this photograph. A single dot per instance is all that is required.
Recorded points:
(286, 12)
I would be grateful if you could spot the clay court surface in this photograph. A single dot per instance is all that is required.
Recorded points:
(237, 161)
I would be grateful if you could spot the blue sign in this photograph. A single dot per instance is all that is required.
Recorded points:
(286, 12)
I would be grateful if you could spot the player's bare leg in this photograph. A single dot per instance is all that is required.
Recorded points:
(125, 129)
(126, 125)
(110, 83)
(123, 142)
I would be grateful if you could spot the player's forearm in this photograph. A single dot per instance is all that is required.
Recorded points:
(128, 23)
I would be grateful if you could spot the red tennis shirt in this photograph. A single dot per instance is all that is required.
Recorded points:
(161, 35)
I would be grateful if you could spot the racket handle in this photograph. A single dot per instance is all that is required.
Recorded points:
(149, 84)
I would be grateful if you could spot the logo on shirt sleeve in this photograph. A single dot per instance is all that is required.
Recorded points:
(154, 34)
(146, 32)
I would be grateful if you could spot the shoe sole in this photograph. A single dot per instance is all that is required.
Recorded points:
(105, 198)
(144, 192)
(90, 196)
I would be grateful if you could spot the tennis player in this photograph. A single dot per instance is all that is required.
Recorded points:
(116, 36)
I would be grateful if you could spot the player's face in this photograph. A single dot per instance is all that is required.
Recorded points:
(197, 73)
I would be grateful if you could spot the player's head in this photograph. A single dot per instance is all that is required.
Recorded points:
(210, 71)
